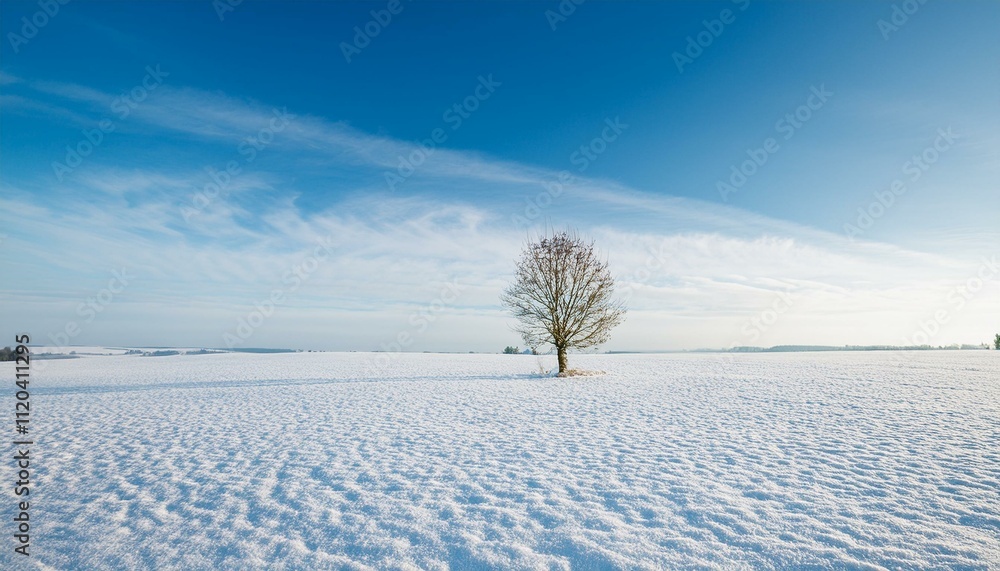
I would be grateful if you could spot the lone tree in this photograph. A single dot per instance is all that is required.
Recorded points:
(996, 342)
(562, 295)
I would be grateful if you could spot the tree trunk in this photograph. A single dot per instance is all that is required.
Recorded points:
(561, 351)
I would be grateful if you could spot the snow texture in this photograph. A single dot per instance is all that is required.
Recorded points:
(425, 461)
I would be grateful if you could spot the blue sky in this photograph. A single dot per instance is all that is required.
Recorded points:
(338, 212)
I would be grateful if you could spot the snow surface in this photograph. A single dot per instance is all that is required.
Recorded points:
(426, 461)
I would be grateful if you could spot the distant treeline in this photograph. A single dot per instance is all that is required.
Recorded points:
(260, 350)
(794, 348)
(8, 354)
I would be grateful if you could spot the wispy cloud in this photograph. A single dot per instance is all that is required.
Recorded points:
(389, 253)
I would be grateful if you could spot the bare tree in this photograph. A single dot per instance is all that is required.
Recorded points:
(562, 295)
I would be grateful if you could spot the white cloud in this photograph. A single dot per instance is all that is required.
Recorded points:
(697, 271)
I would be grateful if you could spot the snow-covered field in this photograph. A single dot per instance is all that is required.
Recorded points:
(317, 461)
